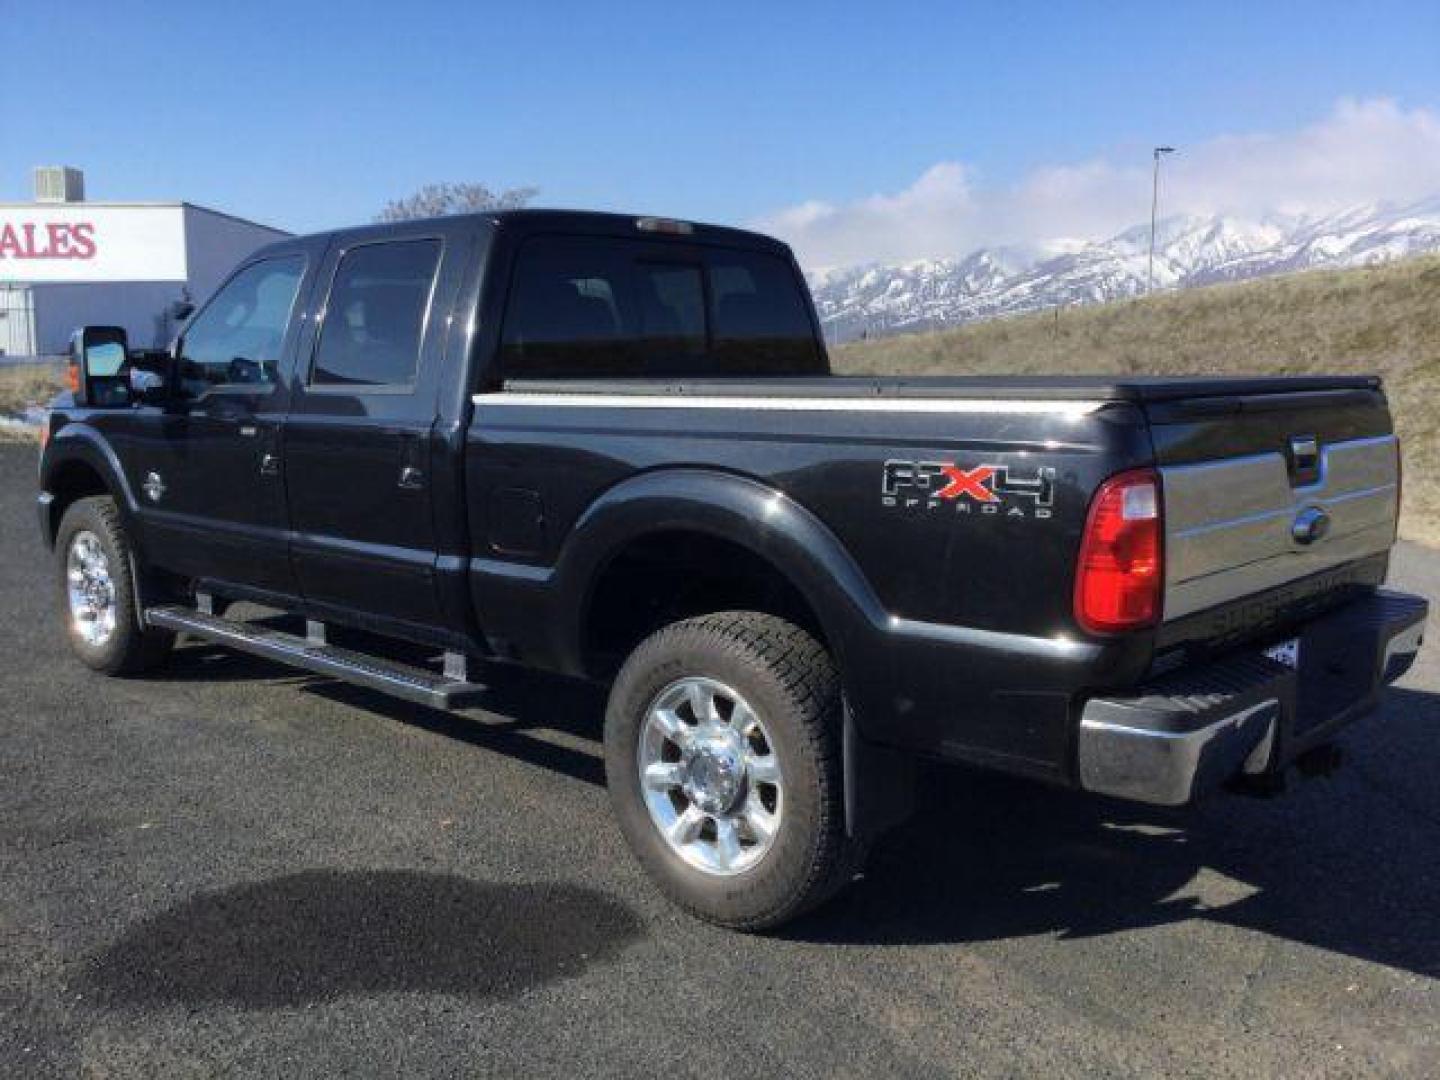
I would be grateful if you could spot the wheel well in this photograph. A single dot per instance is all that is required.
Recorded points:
(674, 574)
(72, 481)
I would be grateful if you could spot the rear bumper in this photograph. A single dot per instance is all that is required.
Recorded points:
(1191, 730)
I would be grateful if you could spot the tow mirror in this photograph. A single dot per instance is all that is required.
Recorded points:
(99, 363)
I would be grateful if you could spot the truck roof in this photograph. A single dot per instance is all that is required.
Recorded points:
(594, 223)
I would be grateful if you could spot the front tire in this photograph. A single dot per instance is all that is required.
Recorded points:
(722, 754)
(97, 592)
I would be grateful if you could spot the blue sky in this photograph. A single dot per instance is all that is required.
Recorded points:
(308, 116)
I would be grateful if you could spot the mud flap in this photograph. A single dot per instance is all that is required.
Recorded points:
(879, 784)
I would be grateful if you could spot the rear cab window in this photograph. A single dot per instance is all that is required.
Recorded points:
(598, 307)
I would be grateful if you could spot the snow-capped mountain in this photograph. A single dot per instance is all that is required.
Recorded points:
(1189, 250)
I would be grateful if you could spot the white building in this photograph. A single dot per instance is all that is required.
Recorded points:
(65, 262)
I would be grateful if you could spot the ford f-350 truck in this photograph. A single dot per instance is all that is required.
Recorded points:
(611, 447)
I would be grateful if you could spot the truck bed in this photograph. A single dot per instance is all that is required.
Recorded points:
(1140, 389)
(1225, 447)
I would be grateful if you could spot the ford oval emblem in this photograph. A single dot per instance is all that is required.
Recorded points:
(1310, 525)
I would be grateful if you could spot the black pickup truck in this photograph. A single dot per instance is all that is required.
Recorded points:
(611, 447)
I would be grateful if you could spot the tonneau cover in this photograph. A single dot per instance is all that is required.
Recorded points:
(1133, 388)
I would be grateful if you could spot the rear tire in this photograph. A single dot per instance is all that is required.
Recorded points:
(96, 588)
(722, 753)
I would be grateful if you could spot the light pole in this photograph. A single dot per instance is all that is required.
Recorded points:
(1154, 203)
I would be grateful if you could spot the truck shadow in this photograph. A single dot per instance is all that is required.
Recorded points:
(510, 718)
(1348, 863)
(205, 663)
(323, 934)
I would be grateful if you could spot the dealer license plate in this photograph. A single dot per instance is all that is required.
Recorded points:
(1287, 653)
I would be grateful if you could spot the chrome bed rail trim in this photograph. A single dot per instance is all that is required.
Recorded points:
(795, 403)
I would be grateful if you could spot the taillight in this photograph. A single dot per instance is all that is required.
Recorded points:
(72, 376)
(1121, 568)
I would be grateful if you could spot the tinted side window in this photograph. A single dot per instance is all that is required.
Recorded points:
(758, 319)
(375, 315)
(236, 340)
(564, 313)
(593, 307)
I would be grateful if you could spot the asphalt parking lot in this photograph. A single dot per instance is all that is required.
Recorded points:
(235, 869)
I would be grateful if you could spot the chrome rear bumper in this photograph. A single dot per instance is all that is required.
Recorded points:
(1246, 714)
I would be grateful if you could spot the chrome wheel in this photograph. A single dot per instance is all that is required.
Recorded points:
(90, 588)
(710, 776)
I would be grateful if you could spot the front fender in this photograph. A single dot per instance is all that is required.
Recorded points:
(79, 443)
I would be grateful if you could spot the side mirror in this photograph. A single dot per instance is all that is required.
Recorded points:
(181, 310)
(99, 359)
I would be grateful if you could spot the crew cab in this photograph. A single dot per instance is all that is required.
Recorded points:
(611, 447)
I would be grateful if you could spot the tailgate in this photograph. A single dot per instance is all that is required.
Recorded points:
(1265, 489)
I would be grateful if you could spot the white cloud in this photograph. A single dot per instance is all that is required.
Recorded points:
(939, 208)
(1363, 151)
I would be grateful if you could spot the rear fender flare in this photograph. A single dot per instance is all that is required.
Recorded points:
(879, 782)
(736, 508)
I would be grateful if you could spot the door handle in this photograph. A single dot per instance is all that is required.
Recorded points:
(412, 478)
(269, 465)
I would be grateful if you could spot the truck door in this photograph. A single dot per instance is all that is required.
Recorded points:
(206, 471)
(357, 439)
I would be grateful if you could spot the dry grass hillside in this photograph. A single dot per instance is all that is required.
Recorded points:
(23, 385)
(1384, 320)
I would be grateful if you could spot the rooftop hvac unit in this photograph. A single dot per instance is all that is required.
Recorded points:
(59, 184)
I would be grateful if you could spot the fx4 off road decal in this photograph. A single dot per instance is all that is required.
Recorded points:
(969, 489)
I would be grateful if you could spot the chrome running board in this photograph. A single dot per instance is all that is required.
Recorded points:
(311, 653)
